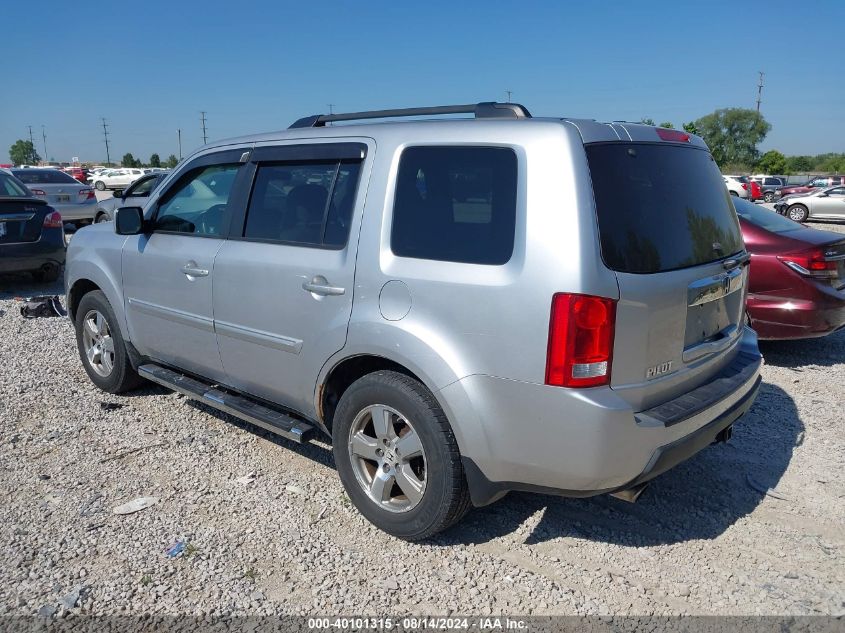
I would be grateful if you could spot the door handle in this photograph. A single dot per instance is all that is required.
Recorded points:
(192, 270)
(320, 286)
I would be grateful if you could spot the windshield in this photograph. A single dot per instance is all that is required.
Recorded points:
(660, 207)
(10, 187)
(44, 176)
(762, 217)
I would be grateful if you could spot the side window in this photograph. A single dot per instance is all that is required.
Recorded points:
(839, 191)
(142, 189)
(455, 204)
(305, 203)
(197, 204)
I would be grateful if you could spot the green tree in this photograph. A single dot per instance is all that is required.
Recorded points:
(128, 160)
(171, 161)
(690, 128)
(23, 153)
(831, 162)
(155, 161)
(772, 162)
(798, 164)
(733, 134)
(668, 125)
(647, 121)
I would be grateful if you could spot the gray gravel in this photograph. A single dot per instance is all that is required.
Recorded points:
(703, 539)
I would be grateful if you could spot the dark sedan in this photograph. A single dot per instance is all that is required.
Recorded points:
(797, 278)
(32, 237)
(134, 195)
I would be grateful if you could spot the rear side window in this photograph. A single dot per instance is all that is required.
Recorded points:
(455, 204)
(306, 203)
(8, 187)
(660, 207)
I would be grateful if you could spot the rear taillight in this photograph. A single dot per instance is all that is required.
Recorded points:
(86, 194)
(812, 263)
(745, 186)
(672, 135)
(581, 330)
(53, 220)
(39, 192)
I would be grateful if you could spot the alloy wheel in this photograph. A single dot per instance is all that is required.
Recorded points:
(97, 342)
(387, 458)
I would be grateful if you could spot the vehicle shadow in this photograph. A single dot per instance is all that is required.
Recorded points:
(23, 285)
(699, 499)
(825, 351)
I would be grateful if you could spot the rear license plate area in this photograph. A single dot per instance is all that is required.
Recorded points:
(62, 198)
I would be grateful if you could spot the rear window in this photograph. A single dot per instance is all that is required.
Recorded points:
(44, 176)
(762, 217)
(660, 207)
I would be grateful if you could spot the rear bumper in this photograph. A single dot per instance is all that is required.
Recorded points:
(72, 212)
(32, 256)
(581, 443)
(780, 318)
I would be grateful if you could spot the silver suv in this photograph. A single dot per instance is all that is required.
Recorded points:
(464, 306)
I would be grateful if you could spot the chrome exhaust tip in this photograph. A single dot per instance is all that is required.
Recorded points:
(630, 494)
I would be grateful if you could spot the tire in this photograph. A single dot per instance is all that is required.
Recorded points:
(798, 212)
(769, 196)
(48, 274)
(102, 217)
(100, 185)
(734, 194)
(413, 413)
(109, 368)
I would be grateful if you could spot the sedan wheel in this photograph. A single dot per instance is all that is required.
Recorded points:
(102, 218)
(387, 458)
(797, 212)
(98, 343)
(769, 197)
(100, 185)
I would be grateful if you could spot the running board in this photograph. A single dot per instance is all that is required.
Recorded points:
(238, 406)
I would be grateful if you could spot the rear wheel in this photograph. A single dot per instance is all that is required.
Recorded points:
(397, 456)
(102, 218)
(769, 196)
(797, 212)
(101, 346)
(100, 185)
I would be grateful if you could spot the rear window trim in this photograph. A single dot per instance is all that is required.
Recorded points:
(734, 255)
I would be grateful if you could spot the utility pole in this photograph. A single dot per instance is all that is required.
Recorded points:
(179, 131)
(509, 93)
(331, 108)
(760, 90)
(30, 136)
(204, 137)
(106, 139)
(44, 137)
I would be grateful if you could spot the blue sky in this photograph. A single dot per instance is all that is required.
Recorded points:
(150, 67)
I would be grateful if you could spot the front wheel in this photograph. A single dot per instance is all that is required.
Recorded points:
(100, 185)
(103, 217)
(797, 212)
(397, 456)
(101, 345)
(769, 196)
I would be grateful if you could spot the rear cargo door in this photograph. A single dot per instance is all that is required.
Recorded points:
(21, 219)
(670, 232)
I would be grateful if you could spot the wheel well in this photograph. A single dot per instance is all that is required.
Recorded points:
(347, 372)
(79, 290)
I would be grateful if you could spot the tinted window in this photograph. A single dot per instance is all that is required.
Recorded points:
(8, 187)
(455, 204)
(192, 206)
(143, 188)
(660, 207)
(43, 176)
(308, 203)
(762, 217)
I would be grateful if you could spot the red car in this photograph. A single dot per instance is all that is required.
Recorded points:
(797, 278)
(78, 173)
(812, 185)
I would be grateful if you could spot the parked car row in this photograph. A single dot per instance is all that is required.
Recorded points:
(772, 188)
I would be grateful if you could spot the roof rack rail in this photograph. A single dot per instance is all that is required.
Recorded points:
(484, 110)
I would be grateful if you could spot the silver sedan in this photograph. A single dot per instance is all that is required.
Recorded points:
(72, 199)
(823, 204)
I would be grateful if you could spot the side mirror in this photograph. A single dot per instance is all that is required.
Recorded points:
(117, 193)
(129, 221)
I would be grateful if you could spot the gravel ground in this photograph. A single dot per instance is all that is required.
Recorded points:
(703, 539)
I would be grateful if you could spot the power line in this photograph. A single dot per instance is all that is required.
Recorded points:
(760, 90)
(106, 139)
(204, 136)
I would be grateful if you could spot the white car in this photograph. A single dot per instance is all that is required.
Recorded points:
(117, 178)
(735, 187)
